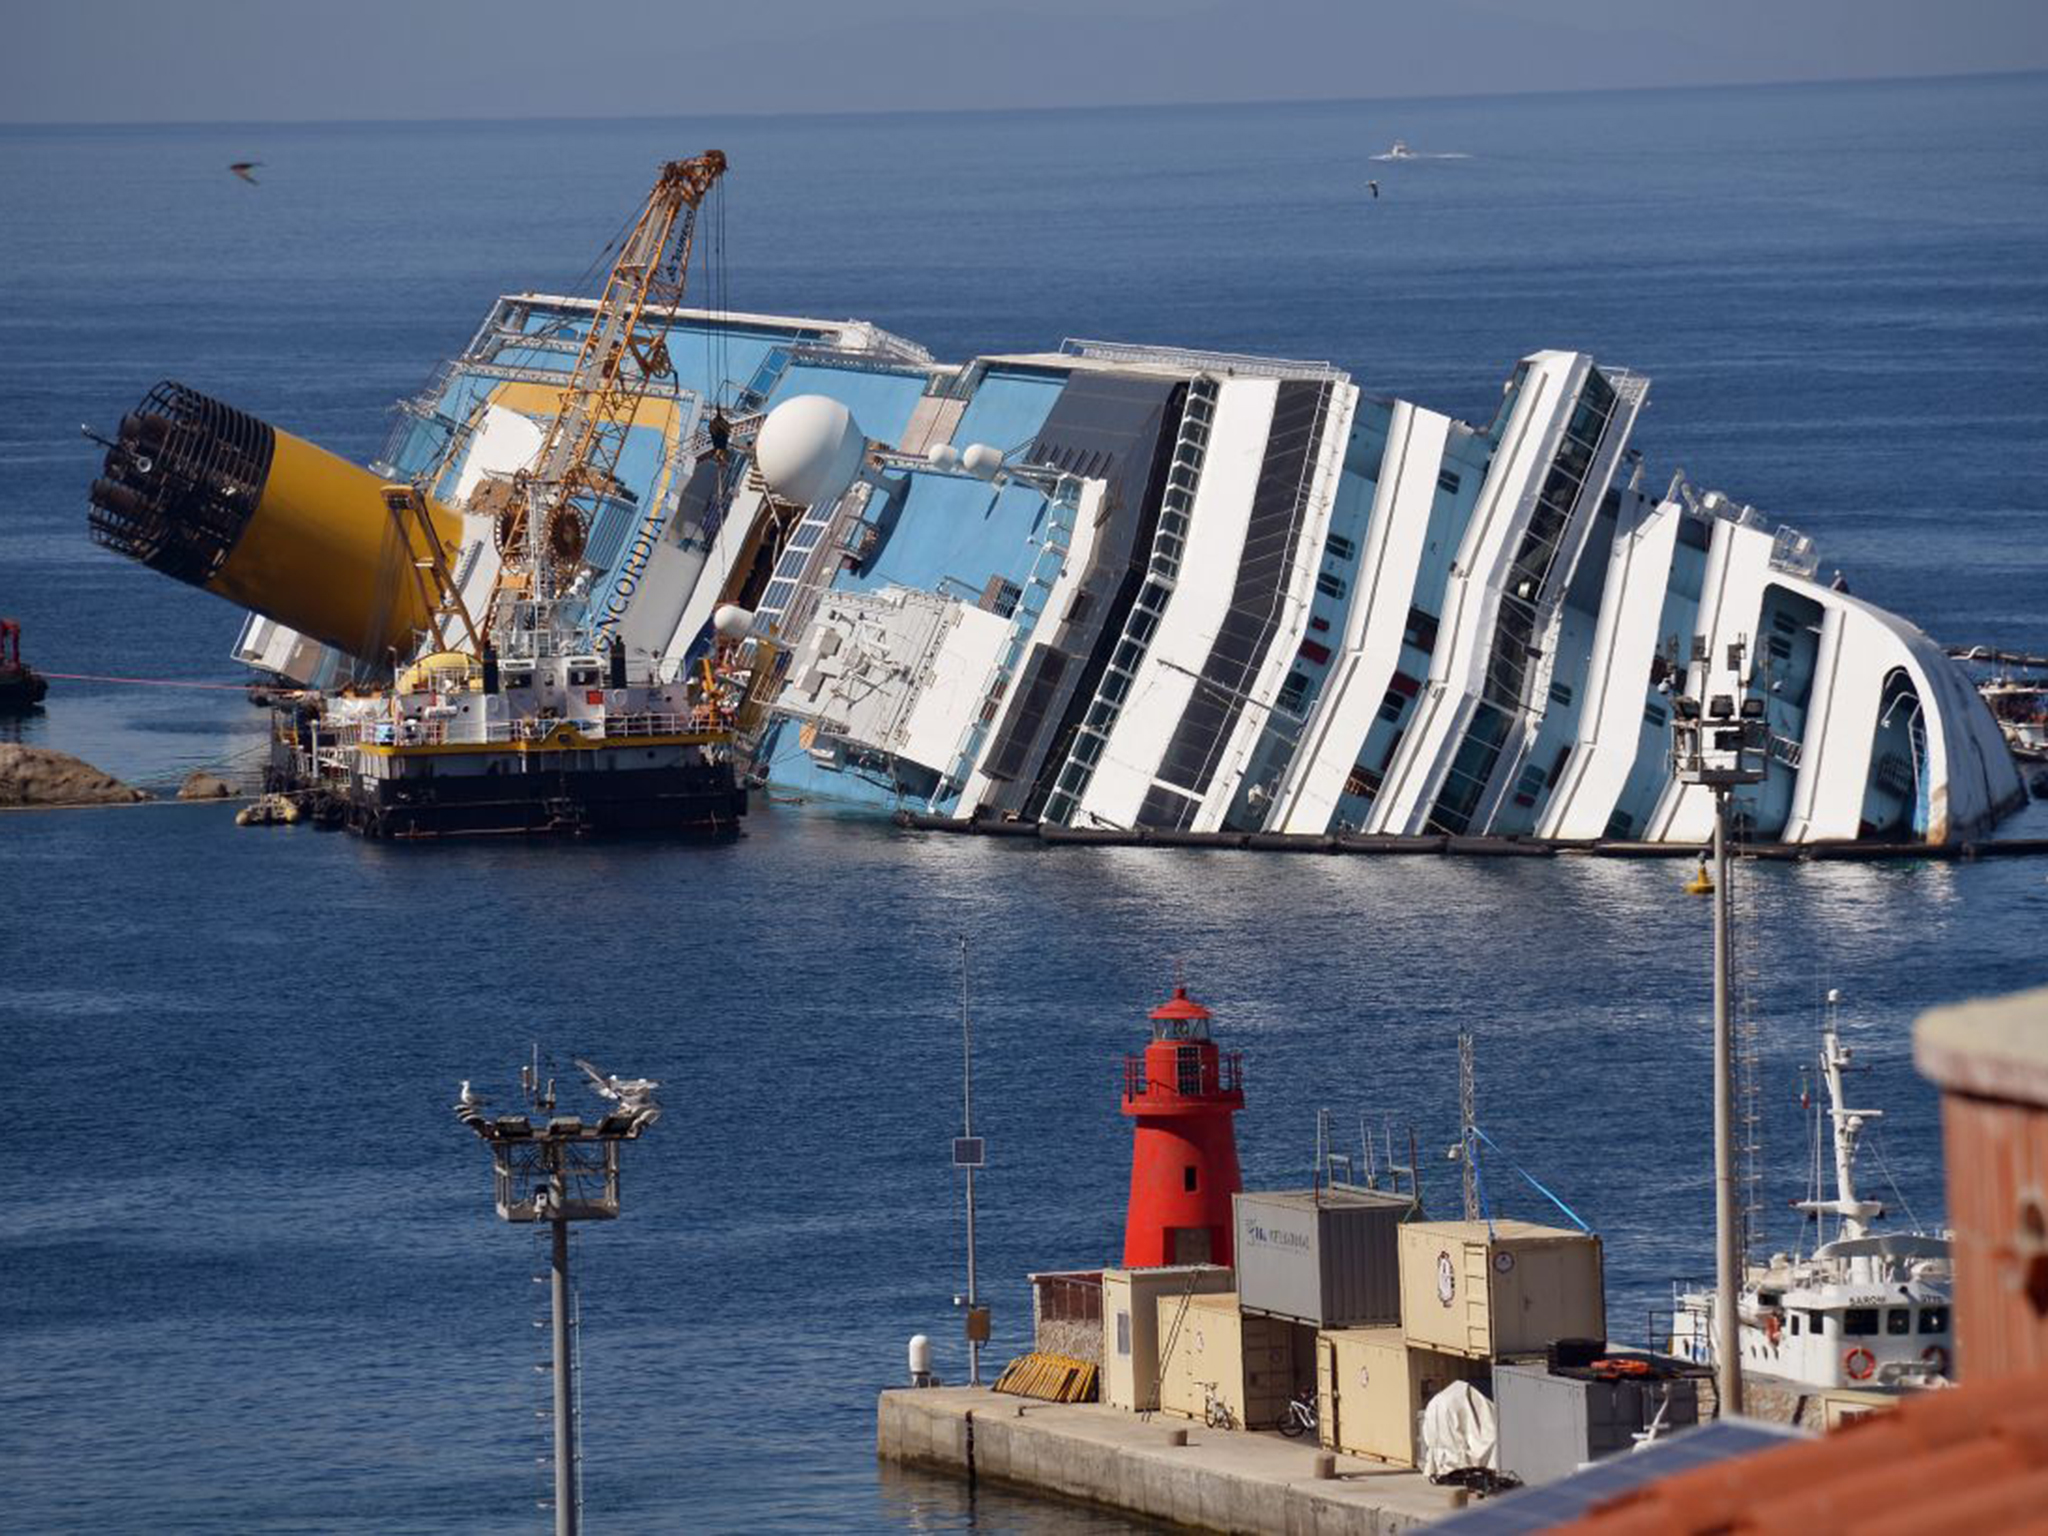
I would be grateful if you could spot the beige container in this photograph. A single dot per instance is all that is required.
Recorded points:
(1372, 1385)
(1248, 1357)
(1509, 1290)
(1130, 1326)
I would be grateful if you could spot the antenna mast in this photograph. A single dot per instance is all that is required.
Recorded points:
(1468, 1117)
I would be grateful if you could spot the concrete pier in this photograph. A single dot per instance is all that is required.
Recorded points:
(1219, 1480)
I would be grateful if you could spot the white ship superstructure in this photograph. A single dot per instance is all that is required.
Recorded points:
(1142, 587)
(1865, 1309)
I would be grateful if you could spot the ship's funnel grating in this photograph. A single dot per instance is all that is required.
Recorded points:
(181, 482)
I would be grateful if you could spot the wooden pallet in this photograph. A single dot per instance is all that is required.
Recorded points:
(1049, 1378)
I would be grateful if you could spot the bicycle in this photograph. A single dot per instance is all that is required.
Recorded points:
(1300, 1417)
(1215, 1410)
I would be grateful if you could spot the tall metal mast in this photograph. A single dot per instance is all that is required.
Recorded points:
(967, 1153)
(1718, 742)
(1847, 1124)
(1468, 1117)
(542, 530)
(560, 1171)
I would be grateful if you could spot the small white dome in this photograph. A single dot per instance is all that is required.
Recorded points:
(943, 456)
(981, 461)
(732, 621)
(809, 449)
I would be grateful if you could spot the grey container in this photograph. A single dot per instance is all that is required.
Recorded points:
(1550, 1426)
(1330, 1259)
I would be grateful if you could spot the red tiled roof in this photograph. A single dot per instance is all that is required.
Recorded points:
(1972, 1460)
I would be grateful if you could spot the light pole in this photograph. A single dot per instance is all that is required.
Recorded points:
(558, 1171)
(969, 1153)
(1720, 740)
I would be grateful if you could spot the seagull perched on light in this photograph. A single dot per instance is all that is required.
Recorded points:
(629, 1093)
(467, 1099)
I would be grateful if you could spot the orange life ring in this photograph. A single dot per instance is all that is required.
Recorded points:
(1859, 1363)
(1937, 1357)
(1771, 1326)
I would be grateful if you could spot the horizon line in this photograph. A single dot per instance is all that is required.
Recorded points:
(1107, 106)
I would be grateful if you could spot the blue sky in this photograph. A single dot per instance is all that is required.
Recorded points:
(262, 60)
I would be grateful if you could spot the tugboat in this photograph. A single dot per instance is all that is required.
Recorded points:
(21, 688)
(1865, 1310)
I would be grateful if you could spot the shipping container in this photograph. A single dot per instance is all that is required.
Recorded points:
(1551, 1425)
(1253, 1362)
(1486, 1290)
(1327, 1258)
(1130, 1324)
(1372, 1385)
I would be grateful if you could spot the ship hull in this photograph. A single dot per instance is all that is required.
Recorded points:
(694, 802)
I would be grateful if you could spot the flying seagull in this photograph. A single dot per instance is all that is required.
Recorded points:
(629, 1093)
(242, 168)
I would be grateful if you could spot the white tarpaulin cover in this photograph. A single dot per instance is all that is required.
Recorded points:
(1459, 1430)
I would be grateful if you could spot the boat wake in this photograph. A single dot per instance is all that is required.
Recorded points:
(1422, 154)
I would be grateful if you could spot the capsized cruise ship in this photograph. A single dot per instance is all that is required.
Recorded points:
(1126, 587)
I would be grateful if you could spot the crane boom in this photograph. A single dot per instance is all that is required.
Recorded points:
(542, 530)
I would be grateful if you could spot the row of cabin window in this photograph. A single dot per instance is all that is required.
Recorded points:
(579, 677)
(1866, 1323)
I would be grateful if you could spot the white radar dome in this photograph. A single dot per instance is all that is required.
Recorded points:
(981, 461)
(809, 450)
(732, 621)
(943, 456)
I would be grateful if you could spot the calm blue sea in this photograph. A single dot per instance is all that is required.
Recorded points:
(252, 1280)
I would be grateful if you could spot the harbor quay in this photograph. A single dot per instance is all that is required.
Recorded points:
(1157, 1467)
(1331, 1359)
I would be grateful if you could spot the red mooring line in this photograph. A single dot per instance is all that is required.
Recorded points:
(147, 682)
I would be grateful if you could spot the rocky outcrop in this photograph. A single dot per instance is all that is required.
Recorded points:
(39, 776)
(205, 786)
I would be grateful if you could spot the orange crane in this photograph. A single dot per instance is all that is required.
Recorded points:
(546, 518)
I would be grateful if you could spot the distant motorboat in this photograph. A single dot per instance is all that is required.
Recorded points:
(1401, 151)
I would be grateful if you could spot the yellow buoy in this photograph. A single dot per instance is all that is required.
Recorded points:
(1701, 883)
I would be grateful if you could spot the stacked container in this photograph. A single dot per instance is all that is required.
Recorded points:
(1247, 1358)
(1488, 1290)
(1324, 1257)
(1130, 1338)
(1371, 1387)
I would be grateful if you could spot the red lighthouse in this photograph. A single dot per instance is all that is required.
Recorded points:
(1182, 1092)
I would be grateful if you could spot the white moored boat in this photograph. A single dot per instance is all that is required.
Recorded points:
(1864, 1310)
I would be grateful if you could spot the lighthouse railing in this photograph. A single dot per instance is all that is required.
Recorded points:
(1224, 1075)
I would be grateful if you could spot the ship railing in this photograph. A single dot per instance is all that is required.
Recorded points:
(1229, 363)
(436, 732)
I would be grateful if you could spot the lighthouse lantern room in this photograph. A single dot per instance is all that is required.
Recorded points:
(1182, 1093)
